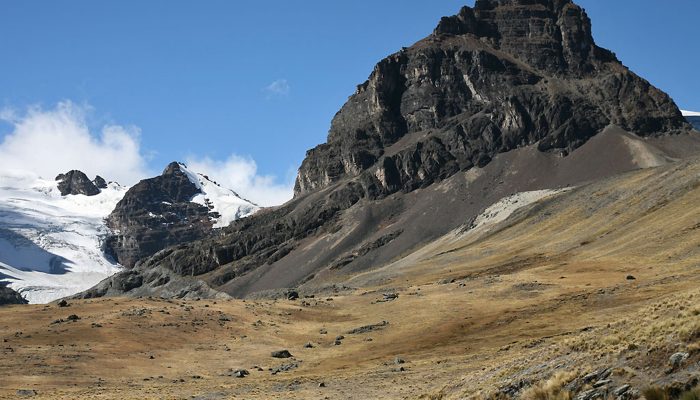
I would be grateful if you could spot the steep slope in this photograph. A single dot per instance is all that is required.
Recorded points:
(509, 96)
(177, 206)
(51, 245)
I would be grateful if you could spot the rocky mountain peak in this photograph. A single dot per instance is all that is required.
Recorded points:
(175, 207)
(76, 182)
(499, 76)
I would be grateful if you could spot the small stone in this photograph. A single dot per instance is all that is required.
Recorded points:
(322, 385)
(63, 303)
(337, 343)
(281, 354)
(26, 392)
(73, 317)
(309, 345)
(399, 360)
(339, 337)
(323, 331)
(292, 295)
(240, 373)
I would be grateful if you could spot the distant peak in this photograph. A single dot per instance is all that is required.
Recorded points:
(76, 182)
(687, 113)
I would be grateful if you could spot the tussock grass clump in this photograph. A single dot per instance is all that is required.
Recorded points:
(552, 389)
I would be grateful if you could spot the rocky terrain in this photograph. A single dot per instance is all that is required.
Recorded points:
(502, 210)
(505, 97)
(485, 311)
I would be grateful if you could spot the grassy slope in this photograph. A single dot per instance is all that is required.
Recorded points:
(544, 291)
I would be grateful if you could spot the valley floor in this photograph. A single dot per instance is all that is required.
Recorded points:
(602, 278)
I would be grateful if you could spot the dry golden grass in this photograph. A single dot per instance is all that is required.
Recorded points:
(547, 287)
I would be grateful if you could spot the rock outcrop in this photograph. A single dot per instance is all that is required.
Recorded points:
(510, 95)
(167, 210)
(154, 214)
(9, 296)
(76, 182)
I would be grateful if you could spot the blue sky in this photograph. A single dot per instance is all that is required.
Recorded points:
(205, 80)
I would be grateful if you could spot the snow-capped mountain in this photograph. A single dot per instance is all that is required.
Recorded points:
(55, 238)
(51, 245)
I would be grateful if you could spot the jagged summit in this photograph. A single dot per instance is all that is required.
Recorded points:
(500, 76)
(178, 206)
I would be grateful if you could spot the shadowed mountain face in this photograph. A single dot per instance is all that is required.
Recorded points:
(511, 95)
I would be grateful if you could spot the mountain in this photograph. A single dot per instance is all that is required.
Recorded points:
(64, 236)
(692, 117)
(177, 206)
(505, 97)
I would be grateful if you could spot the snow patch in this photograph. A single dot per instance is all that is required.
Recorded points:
(51, 245)
(225, 202)
(690, 113)
(504, 208)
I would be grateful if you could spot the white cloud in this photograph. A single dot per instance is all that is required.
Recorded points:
(49, 142)
(278, 88)
(241, 175)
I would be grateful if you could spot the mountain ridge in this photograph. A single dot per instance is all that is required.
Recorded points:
(439, 132)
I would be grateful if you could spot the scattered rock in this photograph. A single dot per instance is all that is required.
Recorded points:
(73, 317)
(240, 373)
(323, 331)
(292, 295)
(677, 359)
(368, 328)
(284, 368)
(309, 345)
(339, 337)
(631, 278)
(63, 303)
(322, 385)
(26, 393)
(399, 360)
(281, 354)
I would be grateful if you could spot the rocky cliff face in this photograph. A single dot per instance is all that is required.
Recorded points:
(502, 75)
(154, 214)
(493, 102)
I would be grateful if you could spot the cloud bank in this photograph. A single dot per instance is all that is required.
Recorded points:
(54, 141)
(49, 142)
(241, 175)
